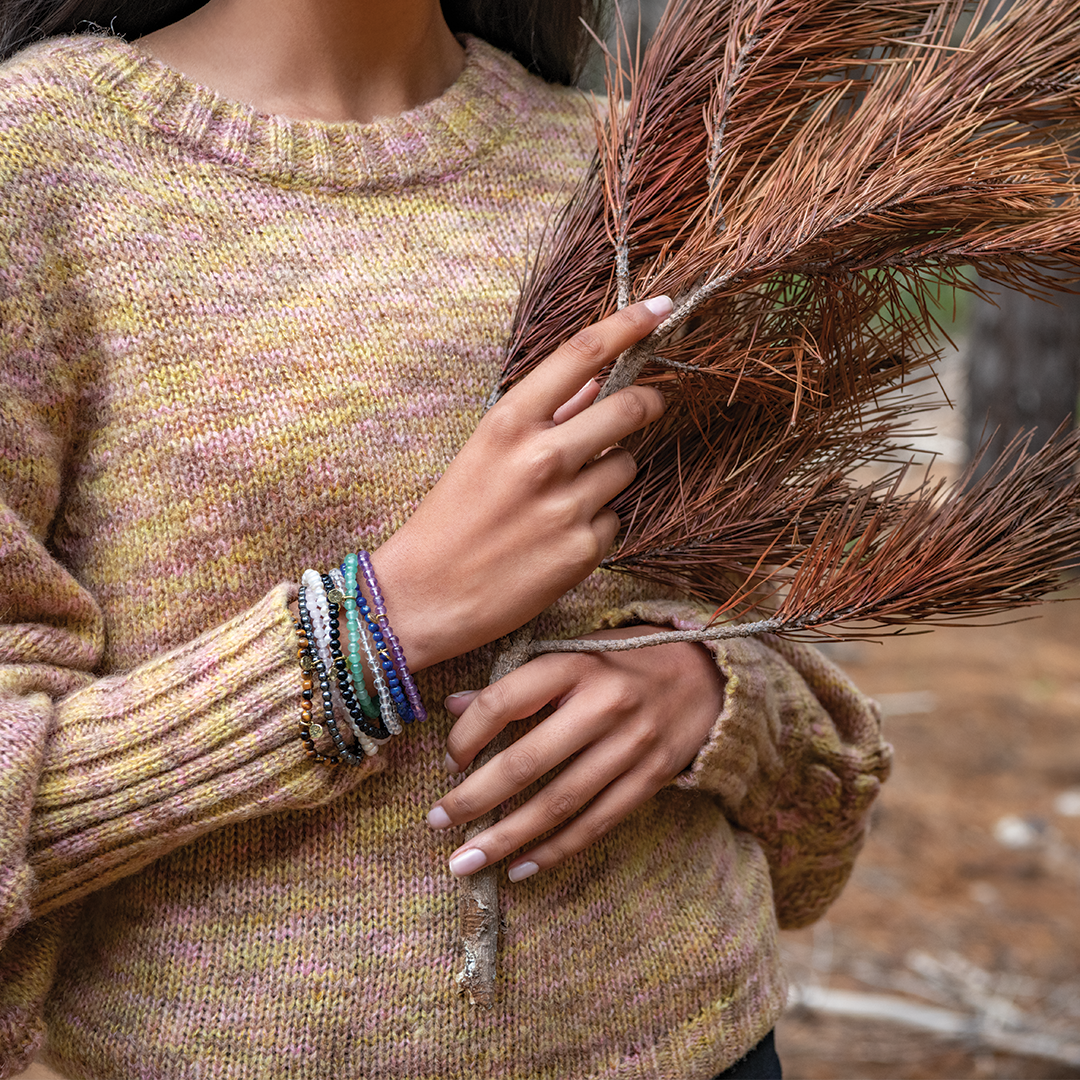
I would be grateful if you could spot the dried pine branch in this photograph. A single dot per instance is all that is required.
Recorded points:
(802, 176)
(984, 548)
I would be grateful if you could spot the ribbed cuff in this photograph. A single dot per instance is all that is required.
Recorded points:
(198, 738)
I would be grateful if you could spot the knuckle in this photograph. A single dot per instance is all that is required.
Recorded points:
(623, 700)
(649, 741)
(461, 805)
(588, 346)
(645, 743)
(584, 549)
(669, 764)
(638, 319)
(544, 465)
(558, 806)
(593, 827)
(625, 461)
(634, 406)
(502, 426)
(607, 524)
(564, 511)
(520, 765)
(557, 851)
(491, 704)
(564, 844)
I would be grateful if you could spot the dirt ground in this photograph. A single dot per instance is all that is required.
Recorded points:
(966, 896)
(965, 904)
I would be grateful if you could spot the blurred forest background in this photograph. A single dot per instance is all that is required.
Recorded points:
(955, 950)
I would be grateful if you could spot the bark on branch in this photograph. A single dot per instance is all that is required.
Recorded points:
(478, 895)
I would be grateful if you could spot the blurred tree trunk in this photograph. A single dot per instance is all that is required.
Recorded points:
(641, 18)
(1023, 368)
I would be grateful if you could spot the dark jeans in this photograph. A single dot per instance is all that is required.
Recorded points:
(761, 1063)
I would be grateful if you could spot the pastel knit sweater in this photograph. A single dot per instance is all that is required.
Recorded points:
(234, 346)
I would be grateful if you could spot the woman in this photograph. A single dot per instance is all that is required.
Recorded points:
(257, 267)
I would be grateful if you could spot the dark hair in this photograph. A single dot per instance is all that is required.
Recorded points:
(547, 36)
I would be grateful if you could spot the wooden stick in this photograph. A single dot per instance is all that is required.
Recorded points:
(478, 894)
(974, 1028)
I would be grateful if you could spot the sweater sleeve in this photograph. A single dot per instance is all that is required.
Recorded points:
(796, 758)
(101, 776)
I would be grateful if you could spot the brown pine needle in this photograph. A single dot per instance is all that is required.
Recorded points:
(804, 177)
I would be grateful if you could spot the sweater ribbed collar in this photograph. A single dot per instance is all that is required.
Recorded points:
(438, 139)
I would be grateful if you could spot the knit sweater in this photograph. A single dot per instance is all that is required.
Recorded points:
(234, 346)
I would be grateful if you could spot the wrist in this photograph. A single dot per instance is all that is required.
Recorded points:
(418, 625)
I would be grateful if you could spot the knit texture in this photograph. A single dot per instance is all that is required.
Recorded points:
(233, 346)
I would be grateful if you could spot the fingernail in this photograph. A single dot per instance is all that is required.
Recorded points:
(450, 765)
(522, 871)
(457, 703)
(660, 305)
(467, 862)
(438, 818)
(577, 402)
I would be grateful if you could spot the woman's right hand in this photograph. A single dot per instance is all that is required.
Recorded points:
(521, 514)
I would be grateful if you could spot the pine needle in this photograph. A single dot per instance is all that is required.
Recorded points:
(804, 177)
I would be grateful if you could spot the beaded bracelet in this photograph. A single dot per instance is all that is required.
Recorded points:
(323, 599)
(319, 613)
(387, 710)
(382, 648)
(407, 681)
(309, 656)
(314, 589)
(319, 669)
(309, 730)
(352, 622)
(364, 728)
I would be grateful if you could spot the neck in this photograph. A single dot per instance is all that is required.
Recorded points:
(331, 60)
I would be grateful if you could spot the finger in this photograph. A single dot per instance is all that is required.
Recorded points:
(605, 423)
(601, 480)
(581, 400)
(615, 803)
(582, 781)
(520, 694)
(457, 703)
(605, 528)
(517, 767)
(579, 359)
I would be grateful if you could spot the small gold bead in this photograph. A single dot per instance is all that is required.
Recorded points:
(315, 730)
(306, 663)
(334, 596)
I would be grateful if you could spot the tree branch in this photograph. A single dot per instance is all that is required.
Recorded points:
(975, 1028)
(478, 894)
(666, 637)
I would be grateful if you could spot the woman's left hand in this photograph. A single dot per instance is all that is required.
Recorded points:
(632, 721)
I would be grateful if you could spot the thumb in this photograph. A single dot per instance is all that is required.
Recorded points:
(457, 703)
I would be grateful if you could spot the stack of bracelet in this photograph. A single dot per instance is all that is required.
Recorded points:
(322, 598)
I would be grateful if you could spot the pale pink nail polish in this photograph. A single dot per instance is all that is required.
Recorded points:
(467, 862)
(438, 818)
(521, 871)
(660, 305)
(450, 765)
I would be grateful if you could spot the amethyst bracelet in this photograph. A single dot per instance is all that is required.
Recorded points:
(407, 682)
